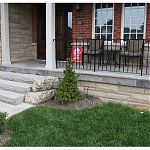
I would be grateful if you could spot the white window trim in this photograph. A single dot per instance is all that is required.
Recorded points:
(122, 21)
(93, 22)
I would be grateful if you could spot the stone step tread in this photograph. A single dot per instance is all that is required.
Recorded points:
(19, 77)
(11, 97)
(12, 109)
(13, 86)
(14, 83)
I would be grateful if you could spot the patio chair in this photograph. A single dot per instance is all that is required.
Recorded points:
(95, 48)
(134, 48)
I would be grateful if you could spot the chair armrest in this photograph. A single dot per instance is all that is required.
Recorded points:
(123, 48)
(142, 51)
(87, 46)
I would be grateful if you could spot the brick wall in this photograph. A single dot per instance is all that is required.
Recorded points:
(20, 32)
(148, 22)
(82, 21)
(117, 20)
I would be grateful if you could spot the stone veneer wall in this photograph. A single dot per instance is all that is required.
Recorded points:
(20, 32)
(134, 96)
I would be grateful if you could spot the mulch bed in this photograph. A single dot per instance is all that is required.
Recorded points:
(4, 137)
(89, 101)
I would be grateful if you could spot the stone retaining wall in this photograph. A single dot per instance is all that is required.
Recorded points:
(20, 32)
(135, 96)
(131, 89)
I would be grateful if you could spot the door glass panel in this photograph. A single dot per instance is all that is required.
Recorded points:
(69, 25)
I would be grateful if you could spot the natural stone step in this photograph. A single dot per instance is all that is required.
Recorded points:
(15, 86)
(19, 77)
(45, 84)
(39, 97)
(11, 97)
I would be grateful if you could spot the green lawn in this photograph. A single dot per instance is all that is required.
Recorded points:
(107, 125)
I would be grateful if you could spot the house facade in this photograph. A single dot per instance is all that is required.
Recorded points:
(50, 33)
(24, 28)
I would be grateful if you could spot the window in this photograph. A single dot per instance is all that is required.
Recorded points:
(134, 21)
(69, 30)
(103, 21)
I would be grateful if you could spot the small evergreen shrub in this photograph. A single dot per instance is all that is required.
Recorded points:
(2, 121)
(68, 90)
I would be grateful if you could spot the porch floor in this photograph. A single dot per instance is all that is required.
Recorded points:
(39, 65)
(30, 64)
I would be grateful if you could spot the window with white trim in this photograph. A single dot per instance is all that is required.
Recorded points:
(134, 21)
(104, 21)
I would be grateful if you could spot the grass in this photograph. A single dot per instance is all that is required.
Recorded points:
(107, 125)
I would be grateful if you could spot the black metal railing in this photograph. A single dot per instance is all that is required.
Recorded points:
(117, 55)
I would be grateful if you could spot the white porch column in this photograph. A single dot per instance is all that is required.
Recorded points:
(5, 34)
(50, 35)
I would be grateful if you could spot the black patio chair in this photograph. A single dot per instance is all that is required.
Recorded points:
(134, 48)
(95, 48)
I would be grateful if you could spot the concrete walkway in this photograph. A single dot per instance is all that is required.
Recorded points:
(13, 109)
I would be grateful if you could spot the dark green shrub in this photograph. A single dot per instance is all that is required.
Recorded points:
(2, 121)
(68, 90)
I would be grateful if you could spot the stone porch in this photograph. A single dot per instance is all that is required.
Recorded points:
(130, 89)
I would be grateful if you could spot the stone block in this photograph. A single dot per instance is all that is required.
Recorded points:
(87, 84)
(39, 97)
(97, 93)
(82, 89)
(128, 89)
(119, 81)
(144, 84)
(147, 91)
(139, 98)
(118, 96)
(106, 87)
(45, 84)
(86, 89)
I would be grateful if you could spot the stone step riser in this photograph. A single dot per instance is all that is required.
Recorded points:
(15, 86)
(15, 89)
(15, 78)
(11, 97)
(19, 77)
(12, 101)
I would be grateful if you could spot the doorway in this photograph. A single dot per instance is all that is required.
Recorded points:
(41, 31)
(63, 30)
